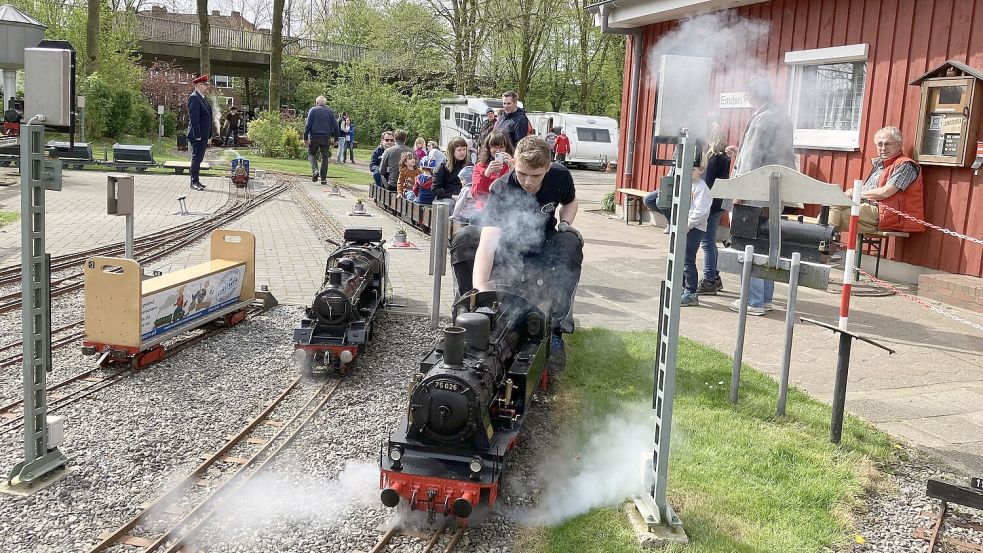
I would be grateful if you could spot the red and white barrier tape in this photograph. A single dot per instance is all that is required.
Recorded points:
(927, 224)
(851, 254)
(888, 286)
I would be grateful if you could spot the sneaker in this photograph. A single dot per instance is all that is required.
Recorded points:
(324, 183)
(313, 177)
(751, 310)
(197, 186)
(558, 355)
(665, 230)
(689, 299)
(709, 287)
(767, 306)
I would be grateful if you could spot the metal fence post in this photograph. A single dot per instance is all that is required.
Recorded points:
(438, 256)
(793, 287)
(735, 375)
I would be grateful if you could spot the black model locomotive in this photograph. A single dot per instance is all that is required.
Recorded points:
(338, 323)
(467, 406)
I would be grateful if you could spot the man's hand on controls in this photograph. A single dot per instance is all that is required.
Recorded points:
(567, 227)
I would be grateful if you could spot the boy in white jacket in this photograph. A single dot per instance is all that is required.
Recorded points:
(696, 224)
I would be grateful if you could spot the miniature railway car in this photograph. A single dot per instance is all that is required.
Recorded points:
(339, 321)
(417, 215)
(467, 406)
(127, 318)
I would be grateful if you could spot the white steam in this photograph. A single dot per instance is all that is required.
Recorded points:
(216, 115)
(729, 40)
(602, 472)
(271, 498)
(720, 36)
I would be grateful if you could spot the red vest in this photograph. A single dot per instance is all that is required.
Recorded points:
(910, 200)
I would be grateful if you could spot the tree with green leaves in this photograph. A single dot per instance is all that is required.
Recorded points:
(276, 54)
(204, 38)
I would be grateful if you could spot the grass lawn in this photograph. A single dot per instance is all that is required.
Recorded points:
(8, 217)
(741, 479)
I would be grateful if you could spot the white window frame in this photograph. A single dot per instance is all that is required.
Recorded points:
(822, 139)
(227, 79)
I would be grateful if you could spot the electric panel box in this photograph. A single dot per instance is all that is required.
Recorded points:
(48, 85)
(683, 96)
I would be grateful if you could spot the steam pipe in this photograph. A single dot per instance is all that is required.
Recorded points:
(636, 68)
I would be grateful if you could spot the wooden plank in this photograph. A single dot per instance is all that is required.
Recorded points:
(954, 493)
(272, 422)
(233, 460)
(112, 301)
(257, 441)
(136, 541)
(177, 278)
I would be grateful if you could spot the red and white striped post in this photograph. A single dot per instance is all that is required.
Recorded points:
(849, 273)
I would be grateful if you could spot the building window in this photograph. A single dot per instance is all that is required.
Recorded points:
(222, 81)
(585, 134)
(826, 90)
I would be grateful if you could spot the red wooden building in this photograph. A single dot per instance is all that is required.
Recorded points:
(875, 48)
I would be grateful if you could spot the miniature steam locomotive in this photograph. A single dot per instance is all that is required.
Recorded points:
(338, 323)
(467, 405)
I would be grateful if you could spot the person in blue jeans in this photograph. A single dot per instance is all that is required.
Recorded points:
(696, 225)
(651, 201)
(350, 143)
(717, 164)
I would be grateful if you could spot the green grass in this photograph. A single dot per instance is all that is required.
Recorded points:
(8, 217)
(741, 479)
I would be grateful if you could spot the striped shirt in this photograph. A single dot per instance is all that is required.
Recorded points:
(901, 178)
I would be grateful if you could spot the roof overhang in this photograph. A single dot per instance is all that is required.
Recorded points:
(629, 14)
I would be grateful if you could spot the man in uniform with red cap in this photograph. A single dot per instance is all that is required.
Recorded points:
(199, 127)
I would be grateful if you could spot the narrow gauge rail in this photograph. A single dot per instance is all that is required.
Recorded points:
(60, 341)
(432, 539)
(253, 454)
(12, 273)
(324, 223)
(170, 243)
(86, 383)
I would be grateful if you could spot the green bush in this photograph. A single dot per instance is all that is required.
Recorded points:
(143, 118)
(292, 147)
(267, 133)
(170, 123)
(607, 203)
(108, 108)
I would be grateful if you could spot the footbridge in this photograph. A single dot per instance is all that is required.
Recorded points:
(235, 52)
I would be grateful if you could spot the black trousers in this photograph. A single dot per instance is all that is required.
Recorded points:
(234, 133)
(552, 273)
(322, 144)
(197, 155)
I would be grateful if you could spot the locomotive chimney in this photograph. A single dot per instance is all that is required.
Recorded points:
(454, 345)
(334, 276)
(477, 329)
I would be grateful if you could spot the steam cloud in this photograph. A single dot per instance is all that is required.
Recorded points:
(268, 498)
(604, 471)
(719, 36)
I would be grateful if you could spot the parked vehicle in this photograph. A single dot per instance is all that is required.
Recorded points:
(593, 139)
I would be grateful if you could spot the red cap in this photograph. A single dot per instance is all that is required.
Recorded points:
(201, 79)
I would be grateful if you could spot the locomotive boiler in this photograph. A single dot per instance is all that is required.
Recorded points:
(467, 405)
(338, 324)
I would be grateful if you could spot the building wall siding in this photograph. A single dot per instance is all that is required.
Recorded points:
(906, 38)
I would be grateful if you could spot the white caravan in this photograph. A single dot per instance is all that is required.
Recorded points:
(593, 139)
(463, 116)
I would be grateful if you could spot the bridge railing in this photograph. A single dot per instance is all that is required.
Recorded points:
(158, 29)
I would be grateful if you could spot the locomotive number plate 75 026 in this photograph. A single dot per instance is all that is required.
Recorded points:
(447, 385)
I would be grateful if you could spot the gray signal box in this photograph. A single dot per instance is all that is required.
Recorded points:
(48, 85)
(119, 195)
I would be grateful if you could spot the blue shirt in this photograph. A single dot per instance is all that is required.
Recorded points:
(351, 132)
(320, 122)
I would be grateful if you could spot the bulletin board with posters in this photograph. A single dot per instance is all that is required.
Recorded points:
(948, 118)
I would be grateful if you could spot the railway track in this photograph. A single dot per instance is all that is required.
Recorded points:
(162, 246)
(95, 379)
(431, 539)
(174, 520)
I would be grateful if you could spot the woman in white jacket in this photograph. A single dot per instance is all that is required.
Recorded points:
(696, 224)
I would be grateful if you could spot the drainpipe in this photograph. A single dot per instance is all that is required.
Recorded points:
(636, 69)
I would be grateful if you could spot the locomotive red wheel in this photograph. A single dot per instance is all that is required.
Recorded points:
(145, 358)
(235, 318)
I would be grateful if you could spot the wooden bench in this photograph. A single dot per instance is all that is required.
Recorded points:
(878, 241)
(179, 167)
(130, 316)
(633, 197)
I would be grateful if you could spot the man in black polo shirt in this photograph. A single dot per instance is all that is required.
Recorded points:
(526, 232)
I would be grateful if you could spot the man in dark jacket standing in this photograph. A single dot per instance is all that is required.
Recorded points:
(199, 127)
(376, 161)
(486, 127)
(233, 118)
(320, 129)
(514, 122)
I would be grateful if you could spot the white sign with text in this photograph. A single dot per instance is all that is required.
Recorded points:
(733, 100)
